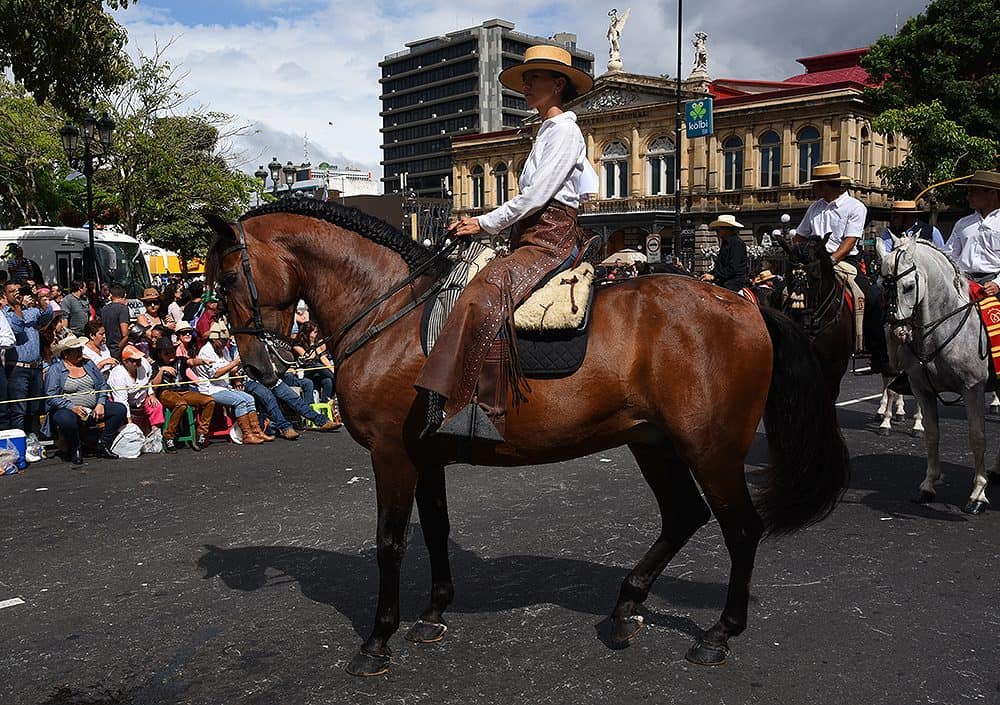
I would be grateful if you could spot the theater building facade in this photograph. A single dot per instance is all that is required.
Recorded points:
(768, 136)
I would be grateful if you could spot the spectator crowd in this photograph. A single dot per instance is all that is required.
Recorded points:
(81, 370)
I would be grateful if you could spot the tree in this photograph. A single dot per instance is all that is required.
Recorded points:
(168, 169)
(941, 89)
(63, 51)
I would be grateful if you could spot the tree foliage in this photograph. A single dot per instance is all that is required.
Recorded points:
(941, 89)
(63, 51)
(169, 168)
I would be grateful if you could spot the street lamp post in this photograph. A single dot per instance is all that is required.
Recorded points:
(96, 147)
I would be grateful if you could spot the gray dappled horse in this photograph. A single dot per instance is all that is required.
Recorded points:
(937, 338)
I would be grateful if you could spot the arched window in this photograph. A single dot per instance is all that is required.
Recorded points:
(890, 150)
(478, 188)
(770, 160)
(866, 155)
(660, 167)
(614, 162)
(810, 153)
(732, 155)
(500, 176)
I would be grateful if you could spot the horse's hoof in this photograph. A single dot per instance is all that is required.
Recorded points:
(917, 433)
(705, 654)
(625, 629)
(426, 632)
(365, 664)
(975, 507)
(924, 497)
(899, 418)
(883, 431)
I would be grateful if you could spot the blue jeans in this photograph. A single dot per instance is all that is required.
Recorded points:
(241, 402)
(23, 383)
(324, 380)
(268, 403)
(69, 424)
(301, 407)
(305, 384)
(4, 408)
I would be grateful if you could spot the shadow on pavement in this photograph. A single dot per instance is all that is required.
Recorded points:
(348, 583)
(891, 481)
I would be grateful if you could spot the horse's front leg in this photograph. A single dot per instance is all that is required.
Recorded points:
(918, 423)
(932, 437)
(885, 412)
(395, 485)
(975, 413)
(432, 505)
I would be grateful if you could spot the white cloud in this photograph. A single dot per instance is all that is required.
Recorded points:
(292, 74)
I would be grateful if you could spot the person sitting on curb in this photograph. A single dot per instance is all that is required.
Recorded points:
(174, 392)
(213, 381)
(78, 393)
(129, 384)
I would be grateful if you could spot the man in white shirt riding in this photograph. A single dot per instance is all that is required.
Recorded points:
(974, 244)
(842, 217)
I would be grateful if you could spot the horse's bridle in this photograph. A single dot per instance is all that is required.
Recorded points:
(279, 346)
(799, 304)
(276, 343)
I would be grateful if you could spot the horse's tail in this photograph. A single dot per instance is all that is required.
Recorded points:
(810, 466)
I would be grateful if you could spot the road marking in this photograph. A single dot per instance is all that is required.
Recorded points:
(858, 400)
(13, 602)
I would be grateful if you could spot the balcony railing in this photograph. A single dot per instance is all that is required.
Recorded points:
(632, 204)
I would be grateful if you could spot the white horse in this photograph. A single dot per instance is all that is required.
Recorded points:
(893, 403)
(937, 338)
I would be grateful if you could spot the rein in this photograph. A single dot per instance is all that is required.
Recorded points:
(812, 328)
(278, 345)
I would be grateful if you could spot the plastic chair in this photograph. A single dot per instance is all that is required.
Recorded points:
(182, 437)
(221, 423)
(325, 408)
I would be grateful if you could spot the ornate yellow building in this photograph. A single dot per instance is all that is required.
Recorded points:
(767, 138)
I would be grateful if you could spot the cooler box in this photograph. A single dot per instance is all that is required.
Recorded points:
(14, 438)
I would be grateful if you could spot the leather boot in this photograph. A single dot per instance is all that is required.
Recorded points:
(484, 418)
(250, 429)
(255, 422)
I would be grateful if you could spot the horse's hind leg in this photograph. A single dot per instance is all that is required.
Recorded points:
(395, 485)
(682, 511)
(726, 491)
(432, 504)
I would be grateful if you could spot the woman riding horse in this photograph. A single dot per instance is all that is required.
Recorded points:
(545, 233)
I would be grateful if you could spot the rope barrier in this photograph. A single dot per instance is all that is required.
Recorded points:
(152, 386)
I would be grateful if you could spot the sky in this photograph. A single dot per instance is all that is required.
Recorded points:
(303, 76)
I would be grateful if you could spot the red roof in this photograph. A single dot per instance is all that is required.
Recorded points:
(824, 70)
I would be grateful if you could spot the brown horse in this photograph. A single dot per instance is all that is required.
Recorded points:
(678, 370)
(825, 317)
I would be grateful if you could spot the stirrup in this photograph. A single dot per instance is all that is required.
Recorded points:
(471, 423)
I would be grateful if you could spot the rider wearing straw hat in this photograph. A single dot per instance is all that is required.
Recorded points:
(544, 236)
(732, 266)
(904, 220)
(841, 216)
(975, 240)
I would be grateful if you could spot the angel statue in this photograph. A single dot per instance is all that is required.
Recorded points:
(700, 52)
(614, 35)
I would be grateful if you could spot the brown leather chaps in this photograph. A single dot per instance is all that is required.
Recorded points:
(539, 244)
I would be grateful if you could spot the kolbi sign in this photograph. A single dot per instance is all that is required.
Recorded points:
(698, 117)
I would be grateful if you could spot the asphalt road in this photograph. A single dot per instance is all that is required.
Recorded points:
(247, 575)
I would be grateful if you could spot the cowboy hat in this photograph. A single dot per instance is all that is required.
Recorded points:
(827, 173)
(130, 352)
(983, 179)
(218, 331)
(545, 57)
(68, 343)
(905, 207)
(725, 221)
(183, 328)
(765, 276)
(150, 294)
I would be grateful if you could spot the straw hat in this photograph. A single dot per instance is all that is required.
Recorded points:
(68, 343)
(765, 276)
(150, 294)
(828, 173)
(983, 179)
(545, 57)
(218, 331)
(183, 328)
(905, 207)
(725, 221)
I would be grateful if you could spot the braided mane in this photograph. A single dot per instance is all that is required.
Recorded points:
(369, 227)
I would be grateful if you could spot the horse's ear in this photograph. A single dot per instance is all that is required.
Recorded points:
(880, 249)
(896, 241)
(220, 226)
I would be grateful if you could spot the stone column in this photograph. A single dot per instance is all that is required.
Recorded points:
(789, 157)
(635, 165)
(749, 178)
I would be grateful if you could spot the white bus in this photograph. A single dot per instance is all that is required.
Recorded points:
(63, 255)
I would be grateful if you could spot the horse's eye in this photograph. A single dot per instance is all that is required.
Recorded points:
(228, 280)
(908, 287)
